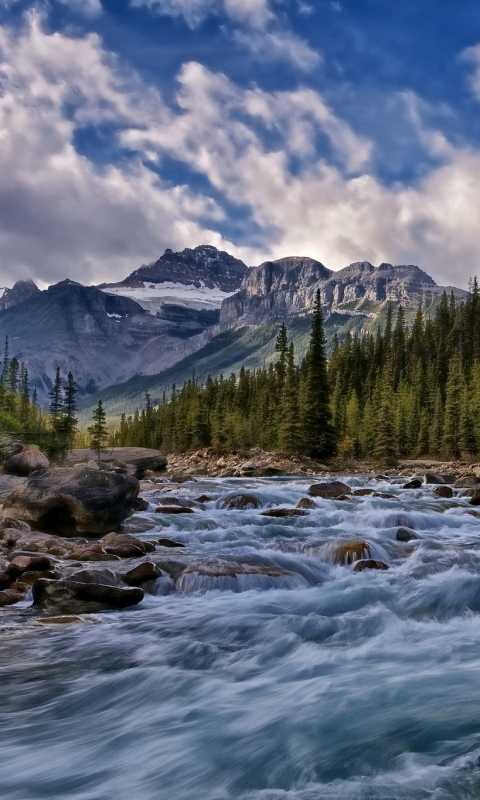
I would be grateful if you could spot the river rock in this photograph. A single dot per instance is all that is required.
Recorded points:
(284, 512)
(141, 458)
(329, 489)
(69, 502)
(26, 562)
(350, 552)
(306, 502)
(385, 495)
(434, 478)
(467, 493)
(136, 525)
(416, 483)
(174, 510)
(238, 502)
(82, 597)
(142, 573)
(369, 563)
(405, 535)
(466, 482)
(10, 596)
(8, 484)
(204, 498)
(443, 491)
(180, 502)
(363, 492)
(126, 546)
(11, 523)
(93, 552)
(475, 499)
(169, 543)
(24, 463)
(235, 577)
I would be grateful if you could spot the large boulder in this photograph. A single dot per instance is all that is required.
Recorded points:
(24, 463)
(71, 502)
(435, 478)
(466, 482)
(443, 491)
(329, 489)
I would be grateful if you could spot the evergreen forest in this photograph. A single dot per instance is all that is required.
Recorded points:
(403, 392)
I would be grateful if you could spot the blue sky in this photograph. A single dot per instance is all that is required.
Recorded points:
(340, 130)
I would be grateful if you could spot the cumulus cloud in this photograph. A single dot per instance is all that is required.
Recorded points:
(60, 214)
(63, 215)
(255, 13)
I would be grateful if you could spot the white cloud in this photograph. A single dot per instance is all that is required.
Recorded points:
(255, 13)
(62, 215)
(90, 8)
(255, 26)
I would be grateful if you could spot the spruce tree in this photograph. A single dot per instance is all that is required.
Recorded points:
(288, 429)
(69, 420)
(318, 433)
(98, 431)
(453, 407)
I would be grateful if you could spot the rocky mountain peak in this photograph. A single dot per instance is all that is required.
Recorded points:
(21, 290)
(204, 265)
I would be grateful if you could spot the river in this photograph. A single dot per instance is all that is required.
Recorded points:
(312, 681)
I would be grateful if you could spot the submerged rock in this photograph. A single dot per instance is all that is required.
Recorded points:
(369, 563)
(169, 543)
(363, 492)
(416, 483)
(236, 578)
(69, 502)
(405, 535)
(443, 491)
(329, 489)
(238, 502)
(24, 463)
(284, 512)
(306, 502)
(174, 510)
(350, 552)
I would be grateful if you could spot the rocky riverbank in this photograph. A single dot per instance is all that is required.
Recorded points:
(80, 539)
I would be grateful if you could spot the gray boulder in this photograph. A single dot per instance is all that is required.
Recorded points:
(466, 482)
(72, 502)
(24, 463)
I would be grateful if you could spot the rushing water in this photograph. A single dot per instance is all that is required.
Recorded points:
(318, 682)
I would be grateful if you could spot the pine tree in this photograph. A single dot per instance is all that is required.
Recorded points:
(56, 402)
(288, 429)
(98, 431)
(69, 420)
(453, 406)
(318, 433)
(281, 347)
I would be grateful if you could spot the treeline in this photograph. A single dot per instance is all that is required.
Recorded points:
(19, 410)
(406, 391)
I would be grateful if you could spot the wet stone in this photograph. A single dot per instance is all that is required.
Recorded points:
(363, 492)
(173, 510)
(329, 489)
(238, 502)
(284, 512)
(306, 502)
(443, 491)
(142, 573)
(169, 543)
(416, 483)
(405, 535)
(369, 563)
(351, 551)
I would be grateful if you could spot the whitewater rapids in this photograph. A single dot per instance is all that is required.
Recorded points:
(310, 681)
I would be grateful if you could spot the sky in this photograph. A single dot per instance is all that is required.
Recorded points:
(343, 130)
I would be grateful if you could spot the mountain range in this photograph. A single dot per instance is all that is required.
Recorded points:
(200, 309)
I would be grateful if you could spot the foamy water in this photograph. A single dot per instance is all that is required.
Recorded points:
(301, 682)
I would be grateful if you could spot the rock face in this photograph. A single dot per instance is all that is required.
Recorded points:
(24, 463)
(289, 285)
(71, 502)
(22, 290)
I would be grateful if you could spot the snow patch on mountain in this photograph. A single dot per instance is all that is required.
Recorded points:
(153, 296)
